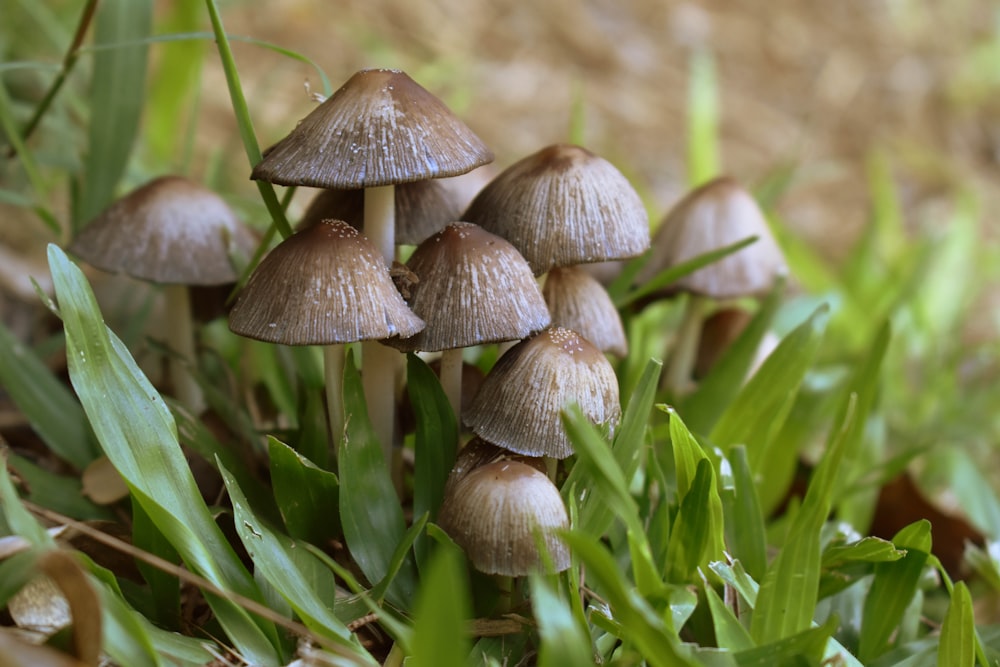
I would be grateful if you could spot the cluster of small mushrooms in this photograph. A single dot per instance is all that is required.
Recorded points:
(397, 167)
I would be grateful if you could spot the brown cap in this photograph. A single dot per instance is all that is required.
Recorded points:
(494, 512)
(422, 207)
(325, 284)
(579, 302)
(477, 452)
(171, 230)
(474, 288)
(520, 402)
(379, 128)
(719, 213)
(561, 206)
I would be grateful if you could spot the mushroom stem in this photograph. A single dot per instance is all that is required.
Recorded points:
(379, 362)
(333, 371)
(451, 380)
(180, 339)
(677, 378)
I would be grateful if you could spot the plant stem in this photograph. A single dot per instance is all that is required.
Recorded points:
(677, 378)
(333, 371)
(451, 380)
(180, 340)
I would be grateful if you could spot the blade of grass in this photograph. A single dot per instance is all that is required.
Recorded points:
(745, 532)
(139, 436)
(691, 529)
(562, 640)
(307, 496)
(702, 119)
(440, 613)
(117, 92)
(242, 112)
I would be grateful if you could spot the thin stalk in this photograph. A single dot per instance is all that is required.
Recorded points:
(451, 380)
(677, 377)
(333, 371)
(242, 112)
(180, 340)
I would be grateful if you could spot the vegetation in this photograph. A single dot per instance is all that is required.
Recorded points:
(740, 523)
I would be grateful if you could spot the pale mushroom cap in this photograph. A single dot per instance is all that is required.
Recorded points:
(494, 512)
(520, 402)
(478, 452)
(579, 302)
(713, 216)
(422, 207)
(170, 230)
(379, 128)
(561, 206)
(474, 288)
(323, 285)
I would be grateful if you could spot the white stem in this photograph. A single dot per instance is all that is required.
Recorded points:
(380, 220)
(180, 339)
(333, 370)
(451, 380)
(682, 357)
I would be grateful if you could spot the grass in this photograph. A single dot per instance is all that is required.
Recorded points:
(735, 525)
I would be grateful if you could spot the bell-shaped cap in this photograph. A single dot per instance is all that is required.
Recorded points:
(422, 207)
(520, 402)
(562, 206)
(379, 128)
(478, 452)
(494, 513)
(579, 302)
(170, 230)
(474, 288)
(712, 216)
(323, 285)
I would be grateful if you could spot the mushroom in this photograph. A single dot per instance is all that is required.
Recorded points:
(475, 288)
(378, 130)
(324, 285)
(561, 206)
(579, 302)
(177, 233)
(714, 215)
(520, 402)
(495, 512)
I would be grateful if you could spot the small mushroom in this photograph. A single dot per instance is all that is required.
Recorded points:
(495, 512)
(520, 402)
(579, 302)
(177, 233)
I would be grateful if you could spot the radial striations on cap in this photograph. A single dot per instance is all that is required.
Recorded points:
(579, 302)
(325, 284)
(561, 206)
(519, 404)
(474, 288)
(494, 513)
(170, 230)
(379, 128)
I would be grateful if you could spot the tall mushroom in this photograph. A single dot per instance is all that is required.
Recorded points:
(378, 130)
(475, 288)
(177, 233)
(712, 216)
(324, 285)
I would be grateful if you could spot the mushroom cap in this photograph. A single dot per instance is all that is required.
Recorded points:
(325, 284)
(422, 207)
(379, 128)
(474, 288)
(712, 216)
(579, 302)
(170, 230)
(563, 205)
(494, 512)
(520, 402)
(478, 452)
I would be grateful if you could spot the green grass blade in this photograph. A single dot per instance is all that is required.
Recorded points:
(703, 119)
(759, 410)
(307, 496)
(61, 493)
(440, 613)
(595, 517)
(893, 589)
(435, 443)
(139, 436)
(369, 507)
(702, 408)
(805, 647)
(562, 640)
(692, 528)
(295, 573)
(745, 532)
(729, 632)
(117, 93)
(51, 409)
(958, 632)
